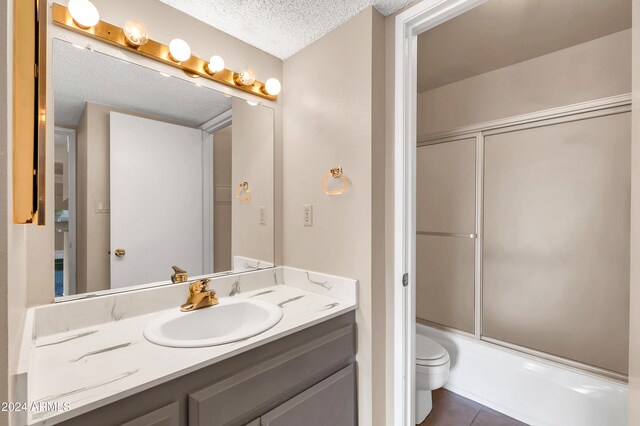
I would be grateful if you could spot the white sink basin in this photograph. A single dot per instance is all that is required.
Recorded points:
(228, 321)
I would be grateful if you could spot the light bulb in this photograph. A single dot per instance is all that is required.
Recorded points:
(272, 86)
(247, 77)
(216, 64)
(179, 50)
(84, 13)
(135, 33)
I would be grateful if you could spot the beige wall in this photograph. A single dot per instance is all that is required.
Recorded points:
(93, 235)
(634, 346)
(222, 159)
(592, 70)
(333, 107)
(13, 238)
(5, 148)
(252, 154)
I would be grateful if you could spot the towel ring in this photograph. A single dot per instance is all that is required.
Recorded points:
(336, 173)
(243, 187)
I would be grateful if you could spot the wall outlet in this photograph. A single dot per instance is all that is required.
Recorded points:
(262, 213)
(308, 215)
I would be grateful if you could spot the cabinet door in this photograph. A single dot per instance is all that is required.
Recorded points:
(330, 402)
(244, 396)
(165, 416)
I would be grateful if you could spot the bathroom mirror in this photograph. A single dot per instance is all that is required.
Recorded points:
(153, 171)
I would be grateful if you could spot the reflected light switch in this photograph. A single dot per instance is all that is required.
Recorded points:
(263, 215)
(101, 206)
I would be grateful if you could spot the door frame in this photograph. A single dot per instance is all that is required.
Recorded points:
(408, 25)
(70, 135)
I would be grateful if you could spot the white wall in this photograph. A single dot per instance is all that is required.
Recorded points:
(592, 70)
(333, 118)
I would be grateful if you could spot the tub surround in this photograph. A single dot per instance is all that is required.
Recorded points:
(547, 393)
(92, 352)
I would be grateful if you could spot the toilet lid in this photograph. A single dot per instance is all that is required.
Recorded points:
(428, 349)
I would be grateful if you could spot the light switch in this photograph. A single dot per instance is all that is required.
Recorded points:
(308, 215)
(263, 215)
(101, 206)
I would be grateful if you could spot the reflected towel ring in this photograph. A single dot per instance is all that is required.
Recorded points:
(243, 187)
(336, 173)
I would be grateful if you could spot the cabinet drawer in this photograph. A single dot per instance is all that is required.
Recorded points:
(243, 397)
(169, 415)
(330, 402)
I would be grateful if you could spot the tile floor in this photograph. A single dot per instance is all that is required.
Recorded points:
(450, 409)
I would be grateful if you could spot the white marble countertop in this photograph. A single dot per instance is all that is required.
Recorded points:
(76, 371)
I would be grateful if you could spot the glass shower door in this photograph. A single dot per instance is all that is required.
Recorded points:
(446, 231)
(556, 239)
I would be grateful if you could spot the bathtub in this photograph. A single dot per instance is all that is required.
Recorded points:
(531, 390)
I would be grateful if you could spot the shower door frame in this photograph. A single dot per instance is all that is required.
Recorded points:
(602, 107)
(408, 25)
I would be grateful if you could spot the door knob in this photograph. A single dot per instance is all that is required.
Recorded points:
(120, 252)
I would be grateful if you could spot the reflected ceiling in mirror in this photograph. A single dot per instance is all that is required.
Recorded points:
(83, 75)
(153, 171)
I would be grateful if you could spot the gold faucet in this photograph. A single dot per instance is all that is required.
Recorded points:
(179, 275)
(199, 296)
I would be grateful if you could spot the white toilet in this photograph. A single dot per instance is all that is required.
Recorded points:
(432, 372)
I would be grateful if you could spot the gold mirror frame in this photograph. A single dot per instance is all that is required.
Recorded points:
(29, 116)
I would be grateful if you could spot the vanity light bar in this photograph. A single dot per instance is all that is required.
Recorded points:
(160, 52)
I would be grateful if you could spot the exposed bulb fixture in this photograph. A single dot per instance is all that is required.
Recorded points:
(272, 87)
(216, 64)
(136, 33)
(252, 103)
(84, 13)
(246, 77)
(179, 50)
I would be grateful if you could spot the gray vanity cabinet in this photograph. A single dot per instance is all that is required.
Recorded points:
(242, 397)
(330, 402)
(308, 375)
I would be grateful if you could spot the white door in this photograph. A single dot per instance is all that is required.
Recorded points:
(156, 199)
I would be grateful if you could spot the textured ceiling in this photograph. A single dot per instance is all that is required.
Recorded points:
(280, 27)
(500, 33)
(82, 75)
